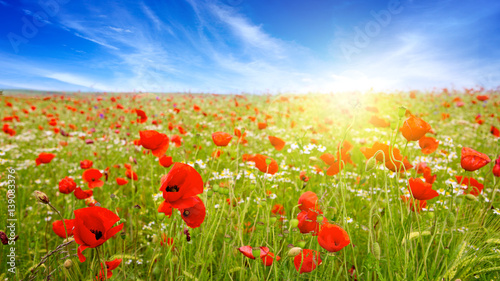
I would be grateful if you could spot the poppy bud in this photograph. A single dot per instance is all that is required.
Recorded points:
(256, 251)
(156, 271)
(401, 111)
(294, 252)
(215, 188)
(301, 243)
(319, 218)
(123, 235)
(175, 259)
(272, 219)
(371, 163)
(294, 223)
(41, 197)
(260, 225)
(376, 250)
(210, 193)
(227, 237)
(68, 263)
(470, 197)
(253, 278)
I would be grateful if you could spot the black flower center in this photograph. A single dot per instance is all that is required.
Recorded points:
(172, 188)
(185, 213)
(97, 233)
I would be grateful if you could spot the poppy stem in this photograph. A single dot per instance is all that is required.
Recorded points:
(64, 223)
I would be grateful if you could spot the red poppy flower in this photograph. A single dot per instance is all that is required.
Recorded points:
(262, 125)
(86, 164)
(332, 237)
(379, 122)
(472, 160)
(121, 181)
(307, 261)
(473, 186)
(241, 137)
(335, 168)
(58, 228)
(142, 118)
(44, 158)
(495, 131)
(308, 201)
(426, 171)
(277, 142)
(496, 168)
(303, 176)
(420, 204)
(165, 161)
(268, 259)
(156, 142)
(385, 149)
(195, 215)
(428, 144)
(261, 163)
(67, 185)
(110, 265)
(328, 158)
(278, 209)
(247, 251)
(414, 128)
(93, 227)
(177, 140)
(169, 241)
(308, 222)
(395, 165)
(131, 175)
(483, 97)
(91, 177)
(221, 138)
(421, 190)
(180, 185)
(83, 194)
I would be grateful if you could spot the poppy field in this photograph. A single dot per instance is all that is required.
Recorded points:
(142, 186)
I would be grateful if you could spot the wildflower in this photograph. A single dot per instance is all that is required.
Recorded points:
(472, 160)
(91, 177)
(86, 164)
(93, 227)
(428, 144)
(67, 185)
(221, 138)
(414, 128)
(121, 181)
(473, 186)
(58, 228)
(165, 161)
(421, 190)
(277, 142)
(332, 237)
(44, 158)
(496, 168)
(154, 141)
(307, 261)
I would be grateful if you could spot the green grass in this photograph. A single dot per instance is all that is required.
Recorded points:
(454, 238)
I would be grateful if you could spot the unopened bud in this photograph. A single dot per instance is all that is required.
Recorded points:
(470, 197)
(371, 164)
(301, 243)
(401, 111)
(175, 259)
(41, 197)
(256, 252)
(294, 251)
(294, 223)
(68, 263)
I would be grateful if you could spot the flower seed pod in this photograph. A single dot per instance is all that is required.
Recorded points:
(294, 251)
(175, 259)
(41, 197)
(68, 263)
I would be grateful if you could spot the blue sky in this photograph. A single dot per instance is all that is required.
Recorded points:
(256, 46)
